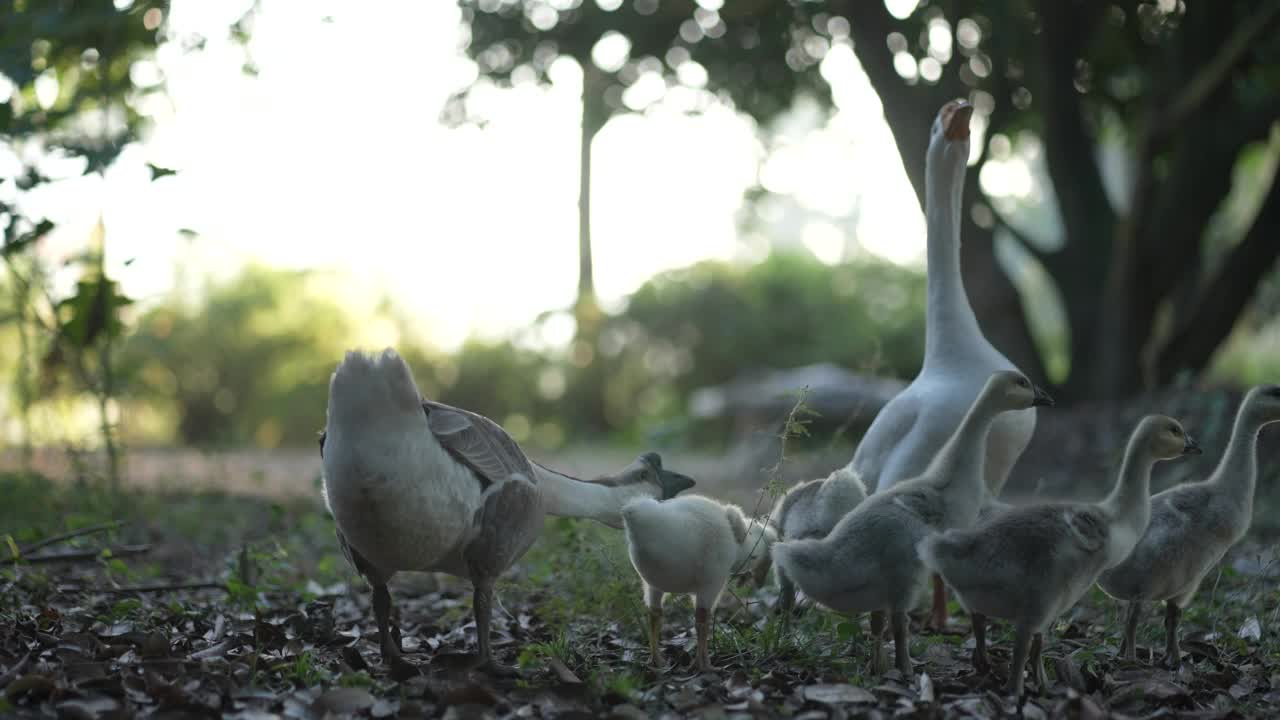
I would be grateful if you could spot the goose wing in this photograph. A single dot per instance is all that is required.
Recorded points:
(477, 442)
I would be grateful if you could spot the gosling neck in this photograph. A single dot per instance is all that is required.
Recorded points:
(1237, 472)
(568, 496)
(950, 325)
(965, 452)
(1129, 501)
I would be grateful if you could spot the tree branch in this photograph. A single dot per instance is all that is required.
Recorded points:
(1222, 301)
(1211, 76)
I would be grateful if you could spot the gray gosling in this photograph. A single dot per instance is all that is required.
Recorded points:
(691, 544)
(868, 562)
(1192, 527)
(810, 510)
(1031, 563)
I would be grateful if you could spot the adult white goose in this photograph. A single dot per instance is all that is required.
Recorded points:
(915, 424)
(1192, 526)
(415, 485)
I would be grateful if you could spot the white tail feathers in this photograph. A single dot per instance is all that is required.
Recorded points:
(367, 386)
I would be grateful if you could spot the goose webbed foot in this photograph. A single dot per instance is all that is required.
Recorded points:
(493, 668)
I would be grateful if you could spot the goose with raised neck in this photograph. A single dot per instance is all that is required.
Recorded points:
(417, 485)
(910, 429)
(1192, 526)
(1031, 563)
(868, 562)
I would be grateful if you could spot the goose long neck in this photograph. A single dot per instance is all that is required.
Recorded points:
(568, 496)
(1129, 501)
(1237, 472)
(950, 324)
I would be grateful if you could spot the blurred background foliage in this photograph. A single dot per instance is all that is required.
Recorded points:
(1145, 255)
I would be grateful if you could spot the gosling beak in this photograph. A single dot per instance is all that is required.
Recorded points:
(673, 483)
(1191, 447)
(955, 120)
(1042, 398)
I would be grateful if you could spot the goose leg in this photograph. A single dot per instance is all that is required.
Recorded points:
(1172, 651)
(938, 614)
(482, 604)
(1129, 646)
(980, 661)
(877, 648)
(702, 624)
(1037, 663)
(901, 650)
(388, 640)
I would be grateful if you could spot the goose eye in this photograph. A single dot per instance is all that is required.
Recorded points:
(1177, 431)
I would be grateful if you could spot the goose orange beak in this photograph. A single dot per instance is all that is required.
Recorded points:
(955, 119)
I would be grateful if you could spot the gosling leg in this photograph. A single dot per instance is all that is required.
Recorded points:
(901, 650)
(702, 623)
(878, 665)
(786, 592)
(981, 662)
(1021, 647)
(1129, 646)
(1037, 662)
(1172, 651)
(653, 599)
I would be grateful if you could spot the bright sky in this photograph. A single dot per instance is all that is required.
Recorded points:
(332, 157)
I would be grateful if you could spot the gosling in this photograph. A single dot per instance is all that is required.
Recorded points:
(1032, 563)
(809, 511)
(691, 544)
(1192, 526)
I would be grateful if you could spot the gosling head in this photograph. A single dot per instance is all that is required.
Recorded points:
(1011, 390)
(648, 473)
(1164, 438)
(1263, 402)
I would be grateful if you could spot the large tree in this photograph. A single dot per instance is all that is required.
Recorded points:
(749, 53)
(1190, 85)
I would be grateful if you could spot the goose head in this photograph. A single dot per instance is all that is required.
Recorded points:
(1011, 390)
(1163, 438)
(649, 478)
(1263, 404)
(949, 136)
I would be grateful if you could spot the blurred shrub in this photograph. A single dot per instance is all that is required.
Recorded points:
(705, 324)
(248, 363)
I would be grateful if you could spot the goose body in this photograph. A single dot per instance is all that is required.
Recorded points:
(868, 562)
(415, 485)
(911, 429)
(1192, 526)
(1032, 563)
(810, 510)
(691, 545)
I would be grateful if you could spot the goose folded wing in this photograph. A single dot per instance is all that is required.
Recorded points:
(477, 442)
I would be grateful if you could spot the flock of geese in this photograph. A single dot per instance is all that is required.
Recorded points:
(415, 485)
